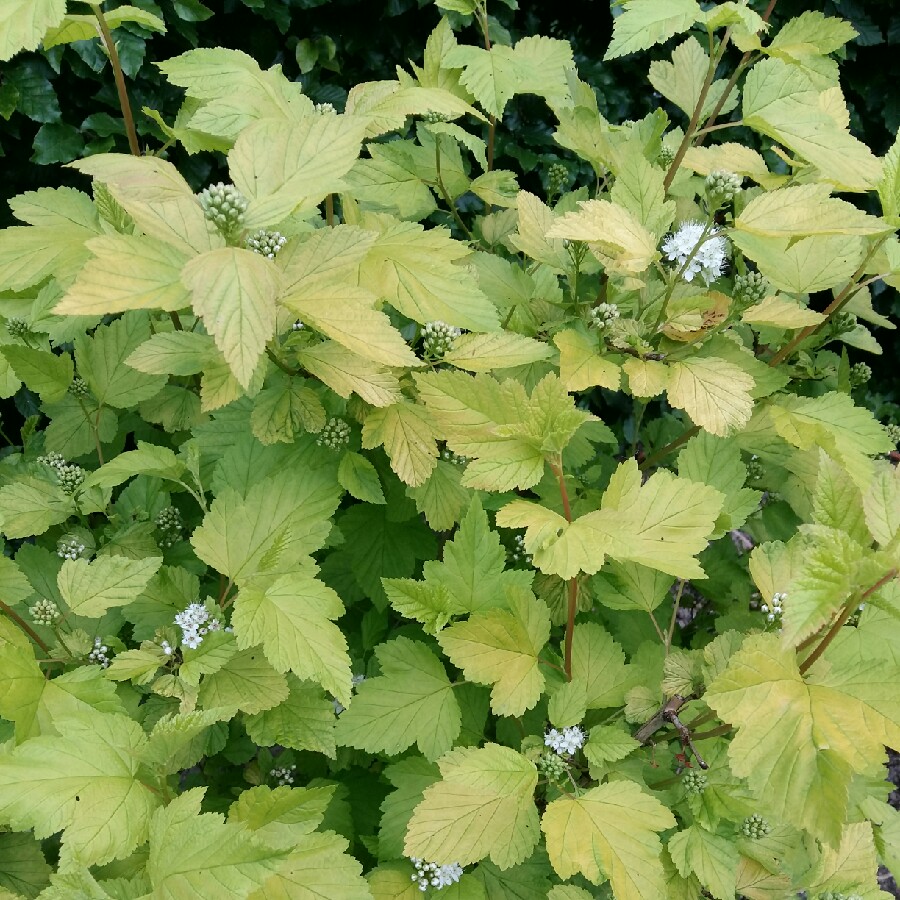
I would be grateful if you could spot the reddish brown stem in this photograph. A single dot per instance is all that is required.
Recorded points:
(119, 77)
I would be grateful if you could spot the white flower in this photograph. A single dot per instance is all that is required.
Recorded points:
(566, 742)
(195, 623)
(429, 874)
(709, 259)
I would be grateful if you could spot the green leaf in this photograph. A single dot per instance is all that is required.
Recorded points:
(291, 617)
(148, 459)
(410, 702)
(881, 504)
(234, 293)
(613, 826)
(173, 353)
(408, 438)
(838, 502)
(711, 857)
(194, 853)
(813, 32)
(492, 76)
(277, 524)
(31, 505)
(644, 23)
(178, 741)
(599, 673)
(612, 232)
(23, 869)
(91, 588)
(24, 23)
(84, 783)
(286, 167)
(285, 409)
(828, 726)
(100, 361)
(359, 478)
(415, 271)
(142, 17)
(410, 777)
(346, 372)
(501, 648)
(246, 682)
(28, 255)
(157, 197)
(498, 350)
(48, 374)
(281, 815)
(713, 392)
(482, 806)
(305, 721)
(428, 603)
(631, 586)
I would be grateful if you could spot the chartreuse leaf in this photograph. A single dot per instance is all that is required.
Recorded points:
(427, 602)
(234, 292)
(631, 586)
(501, 648)
(278, 522)
(441, 499)
(610, 830)
(359, 478)
(148, 459)
(498, 350)
(179, 741)
(408, 438)
(304, 721)
(644, 23)
(483, 806)
(174, 353)
(713, 392)
(127, 272)
(246, 682)
(193, 854)
(599, 674)
(285, 167)
(415, 271)
(838, 502)
(281, 815)
(45, 373)
(881, 504)
(580, 364)
(285, 409)
(291, 617)
(24, 23)
(410, 702)
(799, 763)
(889, 185)
(851, 865)
(33, 702)
(613, 233)
(345, 372)
(100, 360)
(91, 588)
(711, 857)
(155, 195)
(83, 782)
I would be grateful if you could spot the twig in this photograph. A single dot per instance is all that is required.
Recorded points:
(119, 77)
(671, 632)
(572, 587)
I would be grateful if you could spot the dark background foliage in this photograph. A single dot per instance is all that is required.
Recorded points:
(61, 104)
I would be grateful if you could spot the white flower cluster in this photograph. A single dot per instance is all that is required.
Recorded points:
(603, 314)
(284, 776)
(195, 624)
(98, 654)
(774, 612)
(335, 435)
(53, 459)
(438, 339)
(69, 548)
(707, 259)
(325, 109)
(354, 681)
(44, 612)
(566, 742)
(266, 243)
(166, 647)
(519, 553)
(429, 874)
(297, 326)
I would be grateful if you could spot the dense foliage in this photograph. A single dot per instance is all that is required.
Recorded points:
(383, 528)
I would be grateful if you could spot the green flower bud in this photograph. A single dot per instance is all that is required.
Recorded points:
(432, 117)
(755, 827)
(70, 477)
(557, 179)
(750, 288)
(694, 781)
(893, 432)
(666, 156)
(755, 469)
(552, 766)
(843, 322)
(335, 435)
(18, 328)
(454, 458)
(860, 373)
(79, 387)
(45, 612)
(603, 315)
(170, 525)
(224, 205)
(438, 339)
(266, 243)
(721, 187)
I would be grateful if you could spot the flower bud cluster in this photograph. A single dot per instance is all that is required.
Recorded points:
(552, 766)
(432, 117)
(45, 612)
(98, 654)
(335, 435)
(755, 469)
(224, 205)
(70, 476)
(751, 288)
(166, 648)
(721, 187)
(325, 109)
(774, 612)
(70, 547)
(79, 387)
(438, 339)
(860, 373)
(706, 251)
(454, 458)
(297, 326)
(666, 156)
(195, 624)
(17, 328)
(557, 179)
(694, 781)
(603, 315)
(755, 827)
(566, 742)
(843, 322)
(893, 432)
(170, 525)
(518, 554)
(354, 681)
(53, 459)
(284, 776)
(266, 243)
(429, 874)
